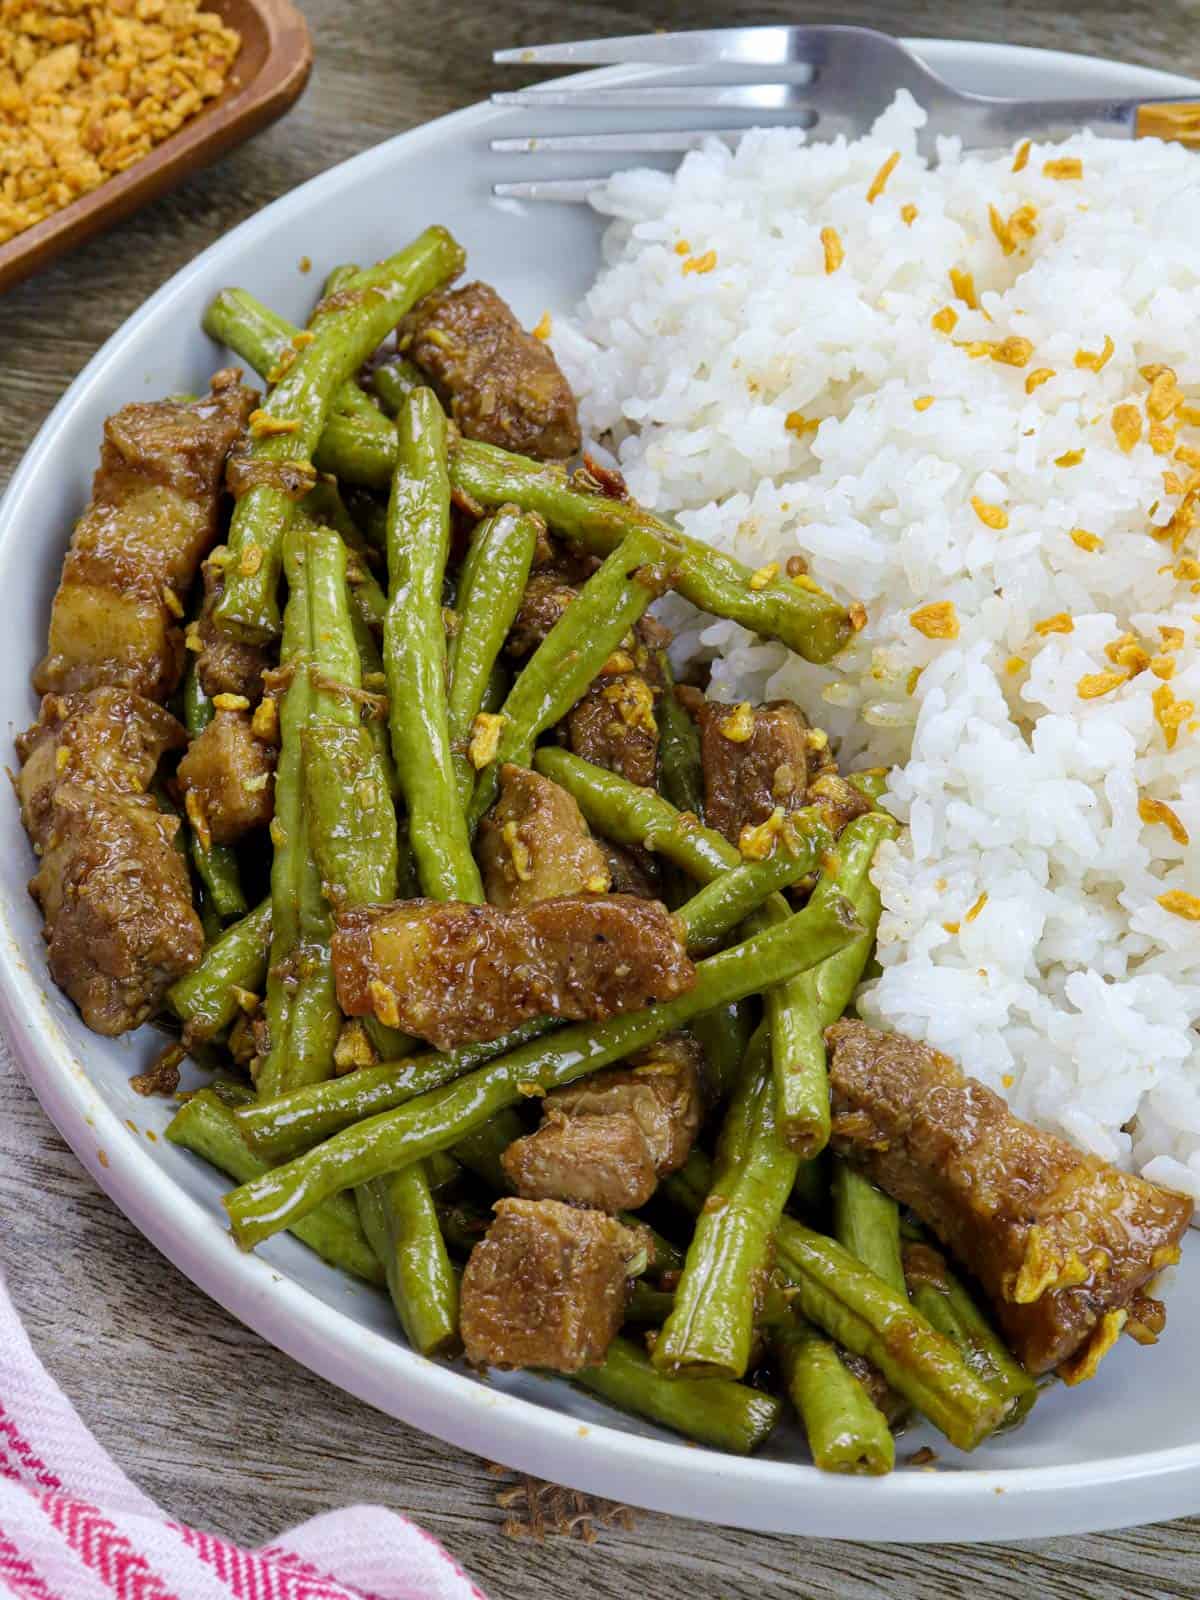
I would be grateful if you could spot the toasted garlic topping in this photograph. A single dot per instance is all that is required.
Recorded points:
(832, 245)
(738, 726)
(485, 738)
(1066, 167)
(936, 620)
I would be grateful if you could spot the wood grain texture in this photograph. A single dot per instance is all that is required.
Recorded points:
(220, 1428)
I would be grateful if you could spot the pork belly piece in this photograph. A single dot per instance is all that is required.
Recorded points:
(659, 1087)
(547, 1286)
(756, 759)
(504, 385)
(559, 572)
(227, 779)
(633, 869)
(115, 893)
(603, 1161)
(614, 726)
(548, 593)
(225, 664)
(1061, 1243)
(113, 888)
(108, 738)
(451, 973)
(534, 844)
(607, 1140)
(137, 547)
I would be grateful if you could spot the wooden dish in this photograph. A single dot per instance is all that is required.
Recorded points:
(271, 69)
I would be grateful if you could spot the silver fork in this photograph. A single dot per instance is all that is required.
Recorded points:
(830, 79)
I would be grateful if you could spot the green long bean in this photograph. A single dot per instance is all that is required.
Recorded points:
(846, 1431)
(491, 584)
(571, 655)
(439, 1119)
(301, 1008)
(325, 506)
(349, 327)
(415, 655)
(357, 450)
(681, 775)
(723, 1036)
(295, 1122)
(206, 999)
(480, 1150)
(710, 1330)
(722, 904)
(355, 446)
(867, 1222)
(400, 1219)
(393, 379)
(810, 622)
(713, 1411)
(630, 815)
(863, 1314)
(207, 1127)
(338, 277)
(949, 1307)
(352, 835)
(800, 1011)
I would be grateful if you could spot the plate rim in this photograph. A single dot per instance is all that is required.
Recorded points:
(755, 1493)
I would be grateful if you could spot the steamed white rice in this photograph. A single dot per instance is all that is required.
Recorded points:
(1023, 931)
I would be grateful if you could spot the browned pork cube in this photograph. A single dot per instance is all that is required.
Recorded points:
(755, 758)
(534, 844)
(1061, 1243)
(546, 1287)
(548, 593)
(659, 1087)
(633, 869)
(607, 1139)
(108, 737)
(225, 665)
(113, 888)
(503, 384)
(228, 779)
(599, 1161)
(136, 550)
(115, 893)
(452, 973)
(614, 726)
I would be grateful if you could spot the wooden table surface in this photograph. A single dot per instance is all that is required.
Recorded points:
(220, 1428)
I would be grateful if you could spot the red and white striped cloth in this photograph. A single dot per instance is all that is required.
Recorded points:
(73, 1527)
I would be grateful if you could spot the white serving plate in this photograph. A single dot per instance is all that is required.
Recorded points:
(1124, 1450)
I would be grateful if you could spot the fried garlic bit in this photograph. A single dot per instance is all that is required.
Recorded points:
(936, 620)
(485, 738)
(1181, 904)
(832, 245)
(738, 726)
(1153, 811)
(757, 842)
(1127, 425)
(1068, 168)
(992, 516)
(1083, 1363)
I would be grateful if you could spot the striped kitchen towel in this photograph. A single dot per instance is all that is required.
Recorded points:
(73, 1526)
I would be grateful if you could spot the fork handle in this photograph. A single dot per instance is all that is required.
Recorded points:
(1003, 121)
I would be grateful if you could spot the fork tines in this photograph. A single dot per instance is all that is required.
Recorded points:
(795, 53)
